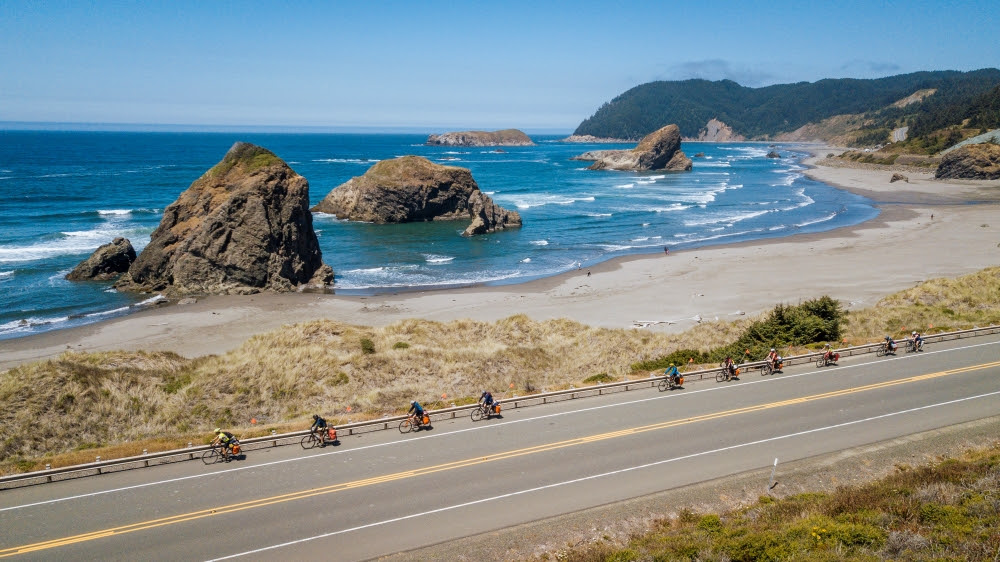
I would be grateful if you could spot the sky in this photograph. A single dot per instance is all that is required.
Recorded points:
(436, 65)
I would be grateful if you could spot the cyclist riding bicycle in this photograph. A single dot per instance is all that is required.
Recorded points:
(486, 399)
(773, 358)
(225, 440)
(417, 410)
(918, 341)
(672, 372)
(890, 345)
(319, 427)
(730, 366)
(828, 353)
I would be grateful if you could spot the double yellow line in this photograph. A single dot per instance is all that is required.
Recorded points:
(232, 508)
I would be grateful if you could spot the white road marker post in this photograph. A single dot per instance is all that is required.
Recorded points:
(771, 484)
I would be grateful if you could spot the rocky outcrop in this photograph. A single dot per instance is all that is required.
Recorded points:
(898, 177)
(700, 155)
(591, 139)
(244, 226)
(107, 262)
(506, 137)
(659, 150)
(974, 161)
(773, 154)
(412, 188)
(717, 131)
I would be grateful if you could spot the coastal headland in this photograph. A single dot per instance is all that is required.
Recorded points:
(927, 228)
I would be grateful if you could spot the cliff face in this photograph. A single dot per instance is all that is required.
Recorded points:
(506, 137)
(974, 161)
(717, 131)
(107, 262)
(659, 150)
(242, 227)
(412, 188)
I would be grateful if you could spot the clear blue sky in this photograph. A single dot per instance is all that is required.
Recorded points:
(533, 65)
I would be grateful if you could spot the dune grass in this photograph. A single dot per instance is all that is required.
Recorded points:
(113, 404)
(946, 511)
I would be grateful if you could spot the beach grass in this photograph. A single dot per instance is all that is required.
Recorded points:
(949, 510)
(113, 404)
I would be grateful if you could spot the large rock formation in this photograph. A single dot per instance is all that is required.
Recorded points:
(107, 262)
(974, 161)
(506, 137)
(411, 188)
(717, 131)
(659, 150)
(244, 226)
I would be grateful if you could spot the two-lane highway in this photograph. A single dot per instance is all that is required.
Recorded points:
(382, 493)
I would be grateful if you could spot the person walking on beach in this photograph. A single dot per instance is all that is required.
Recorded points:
(666, 251)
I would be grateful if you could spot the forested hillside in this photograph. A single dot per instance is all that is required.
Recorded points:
(762, 113)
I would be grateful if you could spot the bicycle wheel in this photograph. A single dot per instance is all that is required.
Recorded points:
(880, 352)
(309, 441)
(477, 414)
(766, 370)
(405, 426)
(663, 385)
(821, 362)
(211, 456)
(721, 376)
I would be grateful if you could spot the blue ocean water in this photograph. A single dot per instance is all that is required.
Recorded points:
(62, 194)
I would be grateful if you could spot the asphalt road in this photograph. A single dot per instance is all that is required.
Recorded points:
(383, 493)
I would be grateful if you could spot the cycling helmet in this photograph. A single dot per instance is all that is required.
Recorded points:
(887, 338)
(412, 402)
(913, 333)
(218, 430)
(671, 364)
(315, 416)
(772, 349)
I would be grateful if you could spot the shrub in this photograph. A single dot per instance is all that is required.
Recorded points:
(680, 358)
(598, 378)
(400, 345)
(367, 346)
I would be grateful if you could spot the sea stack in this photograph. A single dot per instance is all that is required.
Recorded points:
(107, 262)
(506, 137)
(659, 150)
(412, 188)
(243, 227)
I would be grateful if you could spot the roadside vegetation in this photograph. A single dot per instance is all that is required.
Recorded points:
(945, 511)
(80, 405)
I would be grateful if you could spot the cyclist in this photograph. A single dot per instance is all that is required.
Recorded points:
(890, 345)
(417, 410)
(828, 354)
(730, 366)
(319, 427)
(225, 440)
(672, 372)
(486, 399)
(774, 358)
(918, 341)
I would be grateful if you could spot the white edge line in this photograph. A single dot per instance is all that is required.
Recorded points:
(477, 428)
(594, 476)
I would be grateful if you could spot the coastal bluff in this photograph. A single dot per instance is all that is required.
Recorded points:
(973, 161)
(505, 137)
(412, 188)
(659, 150)
(243, 227)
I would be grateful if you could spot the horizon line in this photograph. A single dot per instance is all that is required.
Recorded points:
(84, 126)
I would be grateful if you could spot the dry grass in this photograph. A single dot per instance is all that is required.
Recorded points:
(115, 404)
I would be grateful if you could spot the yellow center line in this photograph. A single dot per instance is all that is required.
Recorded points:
(262, 502)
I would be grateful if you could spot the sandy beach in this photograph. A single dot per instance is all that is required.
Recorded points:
(926, 229)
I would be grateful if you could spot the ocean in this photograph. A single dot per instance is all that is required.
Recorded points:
(63, 194)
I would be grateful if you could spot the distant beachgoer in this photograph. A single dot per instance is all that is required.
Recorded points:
(588, 273)
(666, 250)
(932, 216)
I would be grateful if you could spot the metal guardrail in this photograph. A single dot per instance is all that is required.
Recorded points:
(356, 428)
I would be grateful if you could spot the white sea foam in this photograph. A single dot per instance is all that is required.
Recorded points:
(645, 182)
(719, 164)
(816, 221)
(540, 242)
(625, 186)
(727, 218)
(527, 201)
(596, 215)
(453, 152)
(326, 216)
(615, 247)
(346, 160)
(436, 259)
(526, 260)
(114, 212)
(5, 274)
(69, 243)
